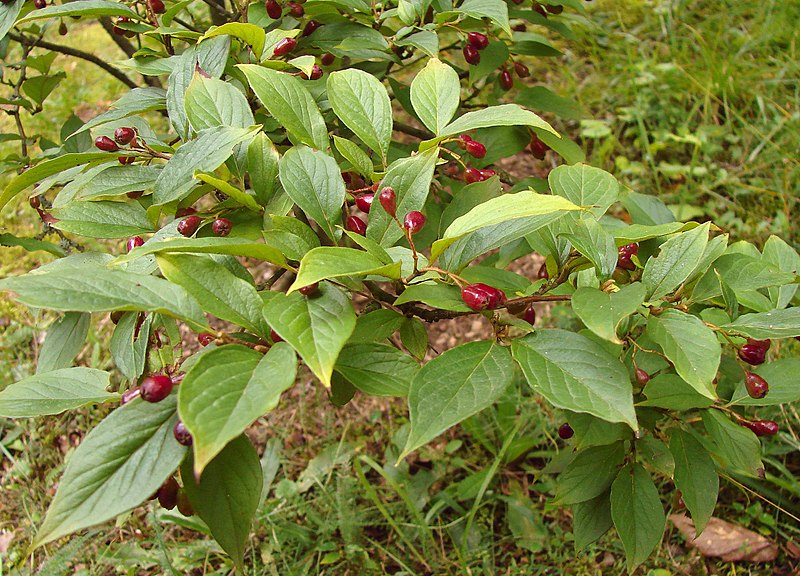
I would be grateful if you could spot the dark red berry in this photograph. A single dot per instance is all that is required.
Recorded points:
(517, 1)
(538, 8)
(753, 354)
(765, 344)
(475, 148)
(506, 80)
(189, 225)
(125, 160)
(155, 387)
(284, 47)
(529, 315)
(35, 202)
(40, 3)
(62, 28)
(477, 40)
(629, 249)
(221, 227)
(538, 148)
(134, 195)
(471, 55)
(157, 6)
(761, 427)
(472, 175)
(496, 296)
(274, 9)
(316, 73)
(462, 141)
(388, 200)
(168, 493)
(356, 224)
(129, 395)
(626, 263)
(184, 506)
(542, 274)
(327, 59)
(309, 290)
(182, 435)
(414, 221)
(487, 173)
(364, 202)
(311, 27)
(123, 135)
(474, 297)
(296, 9)
(565, 431)
(106, 144)
(275, 337)
(521, 70)
(554, 8)
(756, 386)
(205, 338)
(134, 242)
(188, 211)
(642, 377)
(519, 27)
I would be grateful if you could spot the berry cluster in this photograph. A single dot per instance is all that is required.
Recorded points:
(482, 297)
(123, 136)
(413, 221)
(625, 253)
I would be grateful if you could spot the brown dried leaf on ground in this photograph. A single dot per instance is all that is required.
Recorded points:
(727, 541)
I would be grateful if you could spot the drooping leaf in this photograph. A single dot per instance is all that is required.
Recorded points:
(677, 258)
(211, 245)
(502, 115)
(333, 262)
(435, 94)
(102, 219)
(783, 323)
(736, 447)
(64, 340)
(262, 167)
(585, 186)
(211, 102)
(591, 519)
(377, 369)
(129, 345)
(602, 312)
(54, 392)
(695, 476)
(589, 474)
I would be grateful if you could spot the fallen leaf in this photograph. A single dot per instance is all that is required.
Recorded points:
(5, 541)
(727, 541)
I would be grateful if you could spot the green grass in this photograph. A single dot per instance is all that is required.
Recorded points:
(697, 102)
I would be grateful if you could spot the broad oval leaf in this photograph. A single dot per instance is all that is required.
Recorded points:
(361, 102)
(210, 245)
(64, 340)
(734, 446)
(576, 373)
(454, 386)
(589, 474)
(676, 260)
(54, 392)
(103, 219)
(333, 262)
(435, 94)
(591, 519)
(502, 115)
(695, 476)
(119, 465)
(227, 389)
(211, 102)
(316, 327)
(783, 323)
(585, 186)
(377, 369)
(690, 345)
(602, 312)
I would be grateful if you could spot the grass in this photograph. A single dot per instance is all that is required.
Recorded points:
(697, 102)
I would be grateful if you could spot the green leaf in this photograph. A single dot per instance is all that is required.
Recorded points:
(230, 246)
(251, 34)
(672, 392)
(103, 219)
(426, 40)
(262, 167)
(502, 115)
(590, 239)
(64, 340)
(235, 194)
(226, 390)
(602, 312)
(376, 326)
(362, 104)
(441, 296)
(736, 447)
(592, 431)
(690, 345)
(526, 205)
(781, 255)
(211, 102)
(81, 8)
(136, 101)
(222, 293)
(494, 10)
(290, 103)
(54, 392)
(677, 258)
(118, 180)
(204, 154)
(589, 474)
(119, 465)
(411, 180)
(290, 236)
(695, 476)
(334, 262)
(38, 88)
(377, 369)
(8, 15)
(414, 337)
(646, 209)
(226, 497)
(312, 180)
(435, 94)
(48, 168)
(98, 289)
(576, 373)
(129, 345)
(773, 324)
(585, 186)
(781, 375)
(454, 386)
(741, 273)
(316, 327)
(637, 512)
(31, 244)
(356, 156)
(641, 232)
(542, 99)
(590, 520)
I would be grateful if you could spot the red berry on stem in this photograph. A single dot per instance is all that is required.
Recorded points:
(474, 297)
(472, 175)
(189, 225)
(311, 27)
(182, 435)
(275, 337)
(106, 144)
(487, 173)
(123, 135)
(284, 47)
(629, 249)
(761, 427)
(529, 315)
(155, 387)
(184, 506)
(157, 6)
(477, 40)
(168, 493)
(475, 148)
(756, 386)
(205, 338)
(327, 59)
(356, 224)
(125, 160)
(35, 202)
(521, 70)
(296, 9)
(765, 344)
(471, 54)
(506, 80)
(274, 9)
(565, 431)
(554, 8)
(134, 242)
(543, 274)
(538, 8)
(40, 3)
(221, 227)
(642, 377)
(309, 290)
(364, 202)
(753, 354)
(462, 141)
(316, 73)
(538, 148)
(388, 200)
(496, 296)
(414, 221)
